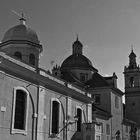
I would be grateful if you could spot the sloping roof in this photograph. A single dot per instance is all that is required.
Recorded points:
(14, 69)
(70, 77)
(67, 76)
(101, 113)
(97, 81)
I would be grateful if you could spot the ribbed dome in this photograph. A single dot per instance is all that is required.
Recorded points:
(21, 32)
(77, 61)
(132, 54)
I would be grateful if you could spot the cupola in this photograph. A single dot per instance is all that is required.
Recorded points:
(132, 59)
(21, 32)
(22, 43)
(77, 47)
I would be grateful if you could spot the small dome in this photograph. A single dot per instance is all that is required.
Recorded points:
(77, 47)
(21, 32)
(77, 43)
(132, 54)
(77, 61)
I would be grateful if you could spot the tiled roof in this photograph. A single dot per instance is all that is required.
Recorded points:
(97, 81)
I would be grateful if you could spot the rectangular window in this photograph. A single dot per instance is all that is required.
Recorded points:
(55, 117)
(20, 110)
(83, 76)
(107, 129)
(98, 137)
(107, 138)
(79, 122)
(99, 127)
(126, 129)
(97, 98)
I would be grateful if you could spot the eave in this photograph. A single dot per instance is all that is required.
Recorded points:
(107, 88)
(21, 72)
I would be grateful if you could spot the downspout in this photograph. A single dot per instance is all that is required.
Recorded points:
(111, 128)
(33, 115)
(66, 116)
(37, 106)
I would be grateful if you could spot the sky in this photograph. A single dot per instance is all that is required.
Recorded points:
(106, 28)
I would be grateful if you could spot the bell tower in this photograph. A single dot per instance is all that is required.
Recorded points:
(132, 88)
(132, 73)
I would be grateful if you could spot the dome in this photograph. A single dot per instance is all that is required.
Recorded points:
(77, 61)
(21, 32)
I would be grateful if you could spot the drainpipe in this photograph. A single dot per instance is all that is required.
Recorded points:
(33, 115)
(37, 106)
(66, 116)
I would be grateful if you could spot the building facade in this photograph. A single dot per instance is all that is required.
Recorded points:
(73, 102)
(34, 104)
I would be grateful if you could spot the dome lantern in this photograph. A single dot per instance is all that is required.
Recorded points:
(77, 47)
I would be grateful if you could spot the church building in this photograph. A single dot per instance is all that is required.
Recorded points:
(34, 105)
(73, 102)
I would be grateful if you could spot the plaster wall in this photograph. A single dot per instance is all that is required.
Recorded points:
(25, 49)
(7, 85)
(103, 133)
(117, 113)
(133, 108)
(105, 103)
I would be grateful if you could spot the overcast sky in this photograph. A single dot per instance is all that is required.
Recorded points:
(107, 28)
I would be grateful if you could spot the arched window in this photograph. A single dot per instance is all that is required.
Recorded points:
(132, 81)
(20, 110)
(32, 59)
(55, 116)
(18, 55)
(79, 122)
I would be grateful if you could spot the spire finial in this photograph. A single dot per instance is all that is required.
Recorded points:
(131, 47)
(22, 19)
(77, 37)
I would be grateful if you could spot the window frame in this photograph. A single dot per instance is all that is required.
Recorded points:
(20, 131)
(94, 96)
(107, 129)
(132, 81)
(78, 107)
(83, 77)
(59, 124)
(18, 55)
(98, 137)
(32, 59)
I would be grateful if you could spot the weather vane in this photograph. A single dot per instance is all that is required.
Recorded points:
(22, 16)
(131, 47)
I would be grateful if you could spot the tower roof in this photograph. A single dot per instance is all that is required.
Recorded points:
(77, 43)
(132, 54)
(21, 32)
